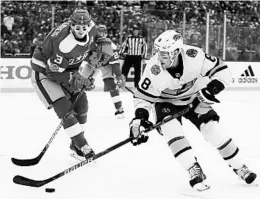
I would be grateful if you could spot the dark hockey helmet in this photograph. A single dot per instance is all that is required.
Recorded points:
(102, 30)
(80, 17)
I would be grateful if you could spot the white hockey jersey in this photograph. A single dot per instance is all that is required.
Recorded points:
(180, 85)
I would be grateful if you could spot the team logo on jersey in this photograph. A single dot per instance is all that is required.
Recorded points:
(191, 52)
(155, 69)
(79, 58)
(166, 110)
(177, 75)
(177, 37)
(54, 67)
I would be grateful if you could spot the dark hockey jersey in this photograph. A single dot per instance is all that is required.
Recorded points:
(61, 53)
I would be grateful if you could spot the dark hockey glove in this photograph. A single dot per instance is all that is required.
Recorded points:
(207, 94)
(121, 81)
(136, 128)
(77, 81)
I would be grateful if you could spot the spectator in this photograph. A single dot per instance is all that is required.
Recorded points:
(195, 40)
(256, 57)
(9, 22)
(33, 17)
(4, 31)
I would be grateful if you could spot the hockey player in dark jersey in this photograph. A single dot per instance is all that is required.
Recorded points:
(57, 79)
(112, 76)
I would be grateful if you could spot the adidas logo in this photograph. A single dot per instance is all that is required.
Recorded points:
(248, 76)
(248, 72)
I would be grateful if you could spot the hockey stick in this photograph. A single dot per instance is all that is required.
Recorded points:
(38, 183)
(36, 160)
(129, 89)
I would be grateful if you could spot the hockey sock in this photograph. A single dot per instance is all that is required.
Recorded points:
(79, 140)
(182, 151)
(116, 98)
(229, 152)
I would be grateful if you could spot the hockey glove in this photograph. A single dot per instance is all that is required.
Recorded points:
(207, 94)
(77, 81)
(121, 81)
(136, 128)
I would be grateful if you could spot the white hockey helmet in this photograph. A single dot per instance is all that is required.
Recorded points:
(169, 41)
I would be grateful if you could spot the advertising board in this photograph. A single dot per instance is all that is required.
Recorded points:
(15, 75)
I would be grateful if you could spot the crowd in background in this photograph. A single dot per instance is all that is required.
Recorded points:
(25, 24)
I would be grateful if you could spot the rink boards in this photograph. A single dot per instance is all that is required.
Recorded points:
(15, 75)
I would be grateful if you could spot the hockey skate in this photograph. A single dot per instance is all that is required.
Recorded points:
(245, 174)
(81, 154)
(197, 178)
(119, 113)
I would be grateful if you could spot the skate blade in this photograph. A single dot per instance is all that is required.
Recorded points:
(77, 157)
(120, 116)
(201, 187)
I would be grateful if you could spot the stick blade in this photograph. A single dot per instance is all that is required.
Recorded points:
(27, 182)
(25, 162)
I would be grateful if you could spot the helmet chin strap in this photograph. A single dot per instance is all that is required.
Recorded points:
(175, 59)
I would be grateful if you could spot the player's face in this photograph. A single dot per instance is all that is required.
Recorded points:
(103, 34)
(166, 60)
(80, 30)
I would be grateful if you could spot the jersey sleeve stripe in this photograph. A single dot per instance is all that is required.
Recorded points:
(38, 62)
(217, 69)
(38, 66)
(144, 99)
(139, 93)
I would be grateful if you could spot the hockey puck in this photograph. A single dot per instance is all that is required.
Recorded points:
(50, 190)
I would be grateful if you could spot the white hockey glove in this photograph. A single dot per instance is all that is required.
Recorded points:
(136, 128)
(206, 96)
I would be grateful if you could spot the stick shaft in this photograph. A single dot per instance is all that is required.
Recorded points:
(34, 183)
(36, 160)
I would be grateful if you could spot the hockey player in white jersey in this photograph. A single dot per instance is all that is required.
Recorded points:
(180, 75)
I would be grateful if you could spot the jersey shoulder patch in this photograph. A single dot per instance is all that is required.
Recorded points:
(155, 69)
(191, 52)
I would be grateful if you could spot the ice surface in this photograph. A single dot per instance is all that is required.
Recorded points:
(148, 171)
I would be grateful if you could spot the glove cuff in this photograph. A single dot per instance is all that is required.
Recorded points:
(141, 113)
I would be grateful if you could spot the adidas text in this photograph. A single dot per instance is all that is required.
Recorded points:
(247, 80)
